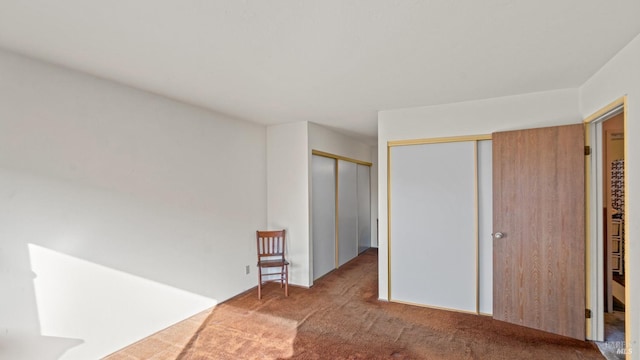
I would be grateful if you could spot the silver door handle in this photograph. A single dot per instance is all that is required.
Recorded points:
(498, 235)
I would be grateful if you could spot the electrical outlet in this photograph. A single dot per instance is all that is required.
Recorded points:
(247, 269)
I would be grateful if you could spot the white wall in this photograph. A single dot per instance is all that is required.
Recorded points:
(122, 212)
(619, 77)
(327, 140)
(288, 172)
(468, 118)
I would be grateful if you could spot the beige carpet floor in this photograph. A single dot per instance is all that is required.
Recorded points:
(341, 318)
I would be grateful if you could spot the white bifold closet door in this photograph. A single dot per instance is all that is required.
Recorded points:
(364, 207)
(434, 224)
(347, 211)
(323, 214)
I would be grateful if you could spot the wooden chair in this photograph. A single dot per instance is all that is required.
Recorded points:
(271, 256)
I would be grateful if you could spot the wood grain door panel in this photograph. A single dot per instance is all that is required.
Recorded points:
(538, 177)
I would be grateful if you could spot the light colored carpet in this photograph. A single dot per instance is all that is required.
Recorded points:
(341, 318)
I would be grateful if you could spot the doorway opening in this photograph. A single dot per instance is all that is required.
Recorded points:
(606, 297)
(614, 220)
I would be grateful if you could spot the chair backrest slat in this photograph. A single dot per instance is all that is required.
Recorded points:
(270, 243)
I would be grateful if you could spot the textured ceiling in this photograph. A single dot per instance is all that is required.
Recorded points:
(333, 62)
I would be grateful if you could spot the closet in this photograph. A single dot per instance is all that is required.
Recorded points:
(440, 221)
(340, 210)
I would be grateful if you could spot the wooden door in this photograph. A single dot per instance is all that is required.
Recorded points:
(538, 202)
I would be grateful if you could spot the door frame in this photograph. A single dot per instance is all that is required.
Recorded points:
(594, 224)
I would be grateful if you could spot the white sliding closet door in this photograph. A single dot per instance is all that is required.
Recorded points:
(433, 239)
(485, 226)
(347, 211)
(364, 208)
(323, 214)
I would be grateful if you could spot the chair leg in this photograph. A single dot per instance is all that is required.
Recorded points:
(286, 281)
(281, 276)
(259, 283)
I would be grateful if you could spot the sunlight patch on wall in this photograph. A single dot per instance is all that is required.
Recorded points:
(106, 308)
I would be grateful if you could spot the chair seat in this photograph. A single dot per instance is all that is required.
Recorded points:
(273, 263)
